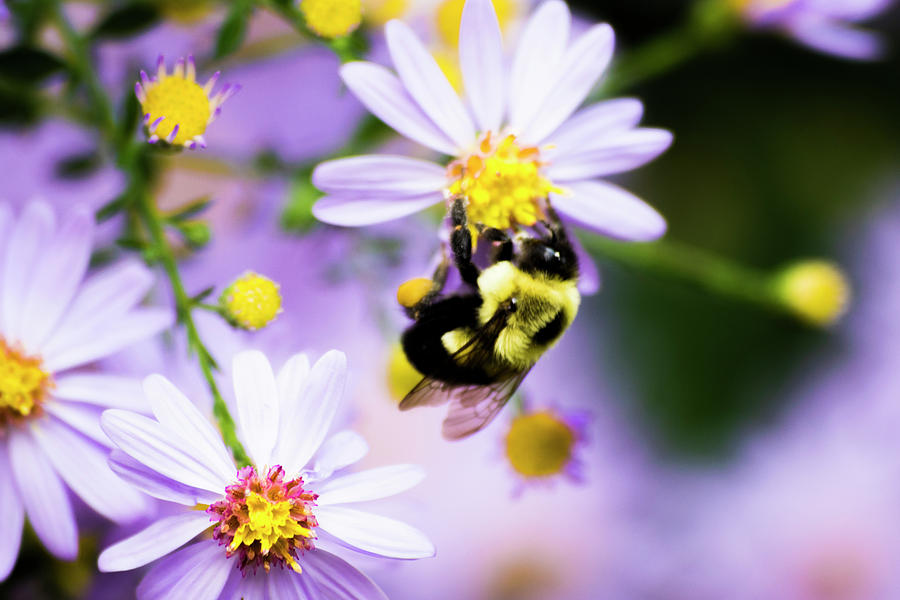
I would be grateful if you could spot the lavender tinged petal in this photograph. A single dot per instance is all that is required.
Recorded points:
(28, 237)
(158, 485)
(379, 175)
(589, 279)
(198, 572)
(610, 210)
(372, 484)
(594, 123)
(354, 211)
(6, 221)
(84, 468)
(178, 414)
(856, 10)
(481, 63)
(386, 98)
(578, 71)
(340, 450)
(157, 540)
(616, 153)
(284, 584)
(257, 404)
(83, 418)
(339, 580)
(56, 277)
(538, 54)
(310, 417)
(427, 84)
(838, 39)
(374, 534)
(48, 508)
(254, 586)
(12, 516)
(290, 381)
(156, 447)
(108, 391)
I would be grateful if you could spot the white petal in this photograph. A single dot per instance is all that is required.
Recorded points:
(139, 325)
(109, 391)
(257, 404)
(198, 572)
(178, 414)
(481, 63)
(369, 485)
(290, 380)
(157, 540)
(157, 485)
(427, 84)
(340, 450)
(355, 211)
(29, 237)
(615, 153)
(596, 122)
(310, 417)
(12, 513)
(83, 418)
(6, 222)
(386, 98)
(610, 210)
(379, 175)
(839, 39)
(158, 448)
(46, 504)
(535, 66)
(374, 534)
(339, 580)
(578, 71)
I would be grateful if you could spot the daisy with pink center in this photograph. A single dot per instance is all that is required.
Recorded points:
(267, 530)
(515, 141)
(54, 321)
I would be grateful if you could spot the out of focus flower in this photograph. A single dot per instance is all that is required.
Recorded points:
(332, 18)
(816, 290)
(402, 377)
(266, 515)
(379, 12)
(251, 302)
(541, 445)
(524, 144)
(825, 25)
(176, 109)
(53, 320)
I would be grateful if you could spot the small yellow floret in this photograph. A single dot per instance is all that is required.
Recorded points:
(332, 18)
(269, 522)
(539, 444)
(816, 290)
(410, 292)
(449, 16)
(402, 377)
(181, 102)
(379, 12)
(23, 383)
(251, 302)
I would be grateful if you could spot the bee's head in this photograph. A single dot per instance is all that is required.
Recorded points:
(551, 255)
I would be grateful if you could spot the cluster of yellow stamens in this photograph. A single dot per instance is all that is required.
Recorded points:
(540, 444)
(23, 385)
(502, 181)
(251, 302)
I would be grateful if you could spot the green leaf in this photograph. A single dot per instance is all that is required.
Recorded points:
(28, 64)
(297, 214)
(234, 29)
(77, 166)
(111, 208)
(29, 16)
(127, 21)
(131, 116)
(192, 209)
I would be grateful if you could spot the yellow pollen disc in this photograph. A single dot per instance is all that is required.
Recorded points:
(816, 290)
(269, 523)
(402, 377)
(502, 182)
(539, 444)
(181, 102)
(449, 16)
(251, 302)
(332, 18)
(379, 12)
(23, 384)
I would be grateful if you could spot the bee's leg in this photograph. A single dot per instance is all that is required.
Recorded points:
(555, 224)
(461, 243)
(504, 251)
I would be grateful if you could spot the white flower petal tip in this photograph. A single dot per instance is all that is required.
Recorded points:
(157, 540)
(256, 393)
(379, 174)
(381, 482)
(481, 62)
(610, 210)
(373, 534)
(360, 209)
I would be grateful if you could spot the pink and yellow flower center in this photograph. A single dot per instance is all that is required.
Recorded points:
(539, 444)
(265, 520)
(502, 181)
(180, 101)
(23, 385)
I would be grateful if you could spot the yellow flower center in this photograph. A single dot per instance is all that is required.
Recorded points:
(816, 290)
(449, 16)
(379, 12)
(23, 385)
(179, 101)
(539, 444)
(332, 18)
(251, 302)
(268, 523)
(502, 182)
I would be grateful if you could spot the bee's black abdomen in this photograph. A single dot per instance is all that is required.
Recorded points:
(549, 332)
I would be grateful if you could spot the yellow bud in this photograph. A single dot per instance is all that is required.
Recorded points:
(332, 18)
(251, 301)
(817, 291)
(402, 377)
(410, 292)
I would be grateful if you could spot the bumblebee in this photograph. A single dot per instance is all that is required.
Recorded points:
(475, 348)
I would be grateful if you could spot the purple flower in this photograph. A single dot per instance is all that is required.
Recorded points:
(524, 143)
(274, 524)
(825, 25)
(52, 320)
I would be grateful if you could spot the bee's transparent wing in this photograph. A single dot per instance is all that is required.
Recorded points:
(473, 407)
